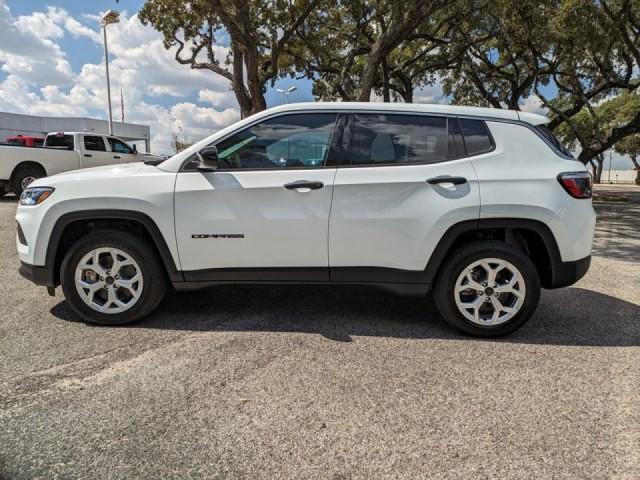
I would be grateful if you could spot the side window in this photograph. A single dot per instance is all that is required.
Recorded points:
(95, 144)
(288, 141)
(380, 139)
(476, 136)
(118, 146)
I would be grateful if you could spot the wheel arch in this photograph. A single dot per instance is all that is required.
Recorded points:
(533, 237)
(70, 226)
(26, 164)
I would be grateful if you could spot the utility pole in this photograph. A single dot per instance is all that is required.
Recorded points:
(108, 18)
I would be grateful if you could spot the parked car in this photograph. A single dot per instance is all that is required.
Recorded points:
(482, 206)
(25, 141)
(62, 152)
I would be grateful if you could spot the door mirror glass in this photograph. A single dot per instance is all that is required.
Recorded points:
(208, 159)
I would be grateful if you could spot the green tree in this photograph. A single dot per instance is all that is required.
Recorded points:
(388, 47)
(593, 128)
(631, 146)
(582, 51)
(257, 33)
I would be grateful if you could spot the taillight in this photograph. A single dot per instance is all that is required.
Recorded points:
(577, 184)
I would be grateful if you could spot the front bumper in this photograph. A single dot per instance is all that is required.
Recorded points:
(42, 276)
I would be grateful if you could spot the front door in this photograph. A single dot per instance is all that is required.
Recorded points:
(263, 215)
(404, 180)
(121, 152)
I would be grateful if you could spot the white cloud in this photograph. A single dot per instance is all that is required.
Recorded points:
(40, 80)
(77, 29)
(217, 99)
(533, 104)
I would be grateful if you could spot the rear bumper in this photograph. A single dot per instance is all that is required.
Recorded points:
(568, 273)
(42, 276)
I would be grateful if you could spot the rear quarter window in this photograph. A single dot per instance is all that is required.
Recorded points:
(60, 141)
(477, 138)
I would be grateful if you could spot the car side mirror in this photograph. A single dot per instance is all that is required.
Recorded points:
(207, 159)
(134, 147)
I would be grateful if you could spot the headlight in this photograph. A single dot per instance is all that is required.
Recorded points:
(35, 196)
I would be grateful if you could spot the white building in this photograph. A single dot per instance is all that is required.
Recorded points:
(12, 124)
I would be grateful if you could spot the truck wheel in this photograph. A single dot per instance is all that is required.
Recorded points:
(23, 177)
(112, 277)
(487, 289)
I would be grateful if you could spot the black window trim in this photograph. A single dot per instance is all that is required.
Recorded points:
(346, 112)
(462, 144)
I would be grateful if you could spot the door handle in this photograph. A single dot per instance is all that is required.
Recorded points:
(447, 179)
(304, 184)
(116, 156)
(88, 155)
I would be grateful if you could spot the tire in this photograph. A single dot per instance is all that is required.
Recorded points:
(134, 253)
(518, 293)
(23, 177)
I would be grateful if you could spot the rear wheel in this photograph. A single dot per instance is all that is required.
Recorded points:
(112, 277)
(23, 178)
(487, 289)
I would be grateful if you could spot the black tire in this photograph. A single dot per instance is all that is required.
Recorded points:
(144, 254)
(22, 174)
(444, 292)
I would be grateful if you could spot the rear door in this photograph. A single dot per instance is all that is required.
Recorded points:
(264, 214)
(403, 181)
(94, 151)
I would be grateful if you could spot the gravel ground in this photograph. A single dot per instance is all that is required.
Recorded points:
(315, 382)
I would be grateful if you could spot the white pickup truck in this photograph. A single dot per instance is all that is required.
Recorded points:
(62, 152)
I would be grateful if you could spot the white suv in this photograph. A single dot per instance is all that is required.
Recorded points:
(482, 206)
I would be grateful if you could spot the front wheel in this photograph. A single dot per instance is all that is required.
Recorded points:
(487, 289)
(112, 277)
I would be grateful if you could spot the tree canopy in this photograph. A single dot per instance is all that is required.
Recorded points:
(575, 56)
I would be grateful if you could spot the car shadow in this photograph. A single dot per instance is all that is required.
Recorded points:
(8, 198)
(570, 316)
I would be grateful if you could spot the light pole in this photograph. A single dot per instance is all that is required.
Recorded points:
(287, 92)
(107, 19)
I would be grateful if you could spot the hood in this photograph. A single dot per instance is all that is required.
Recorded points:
(108, 171)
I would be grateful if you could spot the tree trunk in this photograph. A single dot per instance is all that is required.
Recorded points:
(599, 166)
(634, 159)
(369, 73)
(594, 167)
(386, 97)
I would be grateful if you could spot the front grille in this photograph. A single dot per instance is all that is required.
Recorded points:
(21, 236)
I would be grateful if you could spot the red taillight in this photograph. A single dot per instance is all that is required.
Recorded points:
(577, 184)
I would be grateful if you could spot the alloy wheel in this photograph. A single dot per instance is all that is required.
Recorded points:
(109, 280)
(490, 291)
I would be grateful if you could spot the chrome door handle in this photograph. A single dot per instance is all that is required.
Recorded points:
(447, 179)
(303, 184)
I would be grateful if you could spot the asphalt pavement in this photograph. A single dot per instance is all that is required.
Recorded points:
(319, 382)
